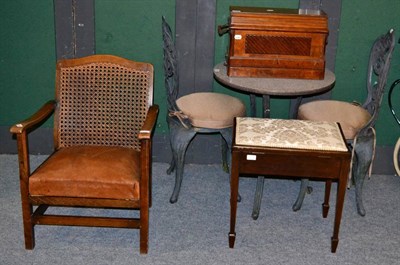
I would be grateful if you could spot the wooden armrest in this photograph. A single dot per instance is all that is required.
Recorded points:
(42, 114)
(149, 123)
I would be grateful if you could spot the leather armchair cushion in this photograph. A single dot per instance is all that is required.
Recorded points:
(211, 110)
(351, 117)
(89, 172)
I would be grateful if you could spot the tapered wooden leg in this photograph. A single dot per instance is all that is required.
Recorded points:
(227, 137)
(325, 205)
(234, 196)
(334, 244)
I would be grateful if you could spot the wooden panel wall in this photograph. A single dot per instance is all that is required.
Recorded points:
(195, 36)
(74, 25)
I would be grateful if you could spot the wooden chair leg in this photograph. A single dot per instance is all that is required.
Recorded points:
(144, 230)
(29, 232)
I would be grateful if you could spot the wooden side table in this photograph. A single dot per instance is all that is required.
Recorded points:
(290, 148)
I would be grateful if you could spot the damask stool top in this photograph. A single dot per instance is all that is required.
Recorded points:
(289, 134)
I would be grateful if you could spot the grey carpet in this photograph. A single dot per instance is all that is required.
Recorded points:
(195, 229)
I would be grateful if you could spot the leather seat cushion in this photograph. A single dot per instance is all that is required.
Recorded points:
(350, 116)
(89, 172)
(211, 110)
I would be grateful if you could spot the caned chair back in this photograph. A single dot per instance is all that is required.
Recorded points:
(102, 101)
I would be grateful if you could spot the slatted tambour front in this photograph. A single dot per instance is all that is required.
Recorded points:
(101, 104)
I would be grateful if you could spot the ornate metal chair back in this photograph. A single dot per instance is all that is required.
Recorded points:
(170, 66)
(378, 68)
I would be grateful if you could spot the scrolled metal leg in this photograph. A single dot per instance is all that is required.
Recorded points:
(225, 150)
(180, 139)
(325, 204)
(260, 180)
(362, 159)
(302, 193)
(171, 166)
(359, 183)
(258, 197)
(226, 145)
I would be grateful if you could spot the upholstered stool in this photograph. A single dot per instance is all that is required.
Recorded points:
(290, 148)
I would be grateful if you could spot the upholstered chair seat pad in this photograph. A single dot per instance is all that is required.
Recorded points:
(89, 172)
(351, 117)
(211, 110)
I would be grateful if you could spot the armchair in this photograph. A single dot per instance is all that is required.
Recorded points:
(103, 123)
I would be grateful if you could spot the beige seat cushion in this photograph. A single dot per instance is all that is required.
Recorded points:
(90, 172)
(350, 116)
(211, 110)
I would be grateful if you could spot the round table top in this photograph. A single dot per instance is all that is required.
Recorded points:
(275, 86)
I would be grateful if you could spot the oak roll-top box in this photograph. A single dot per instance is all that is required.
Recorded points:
(279, 43)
